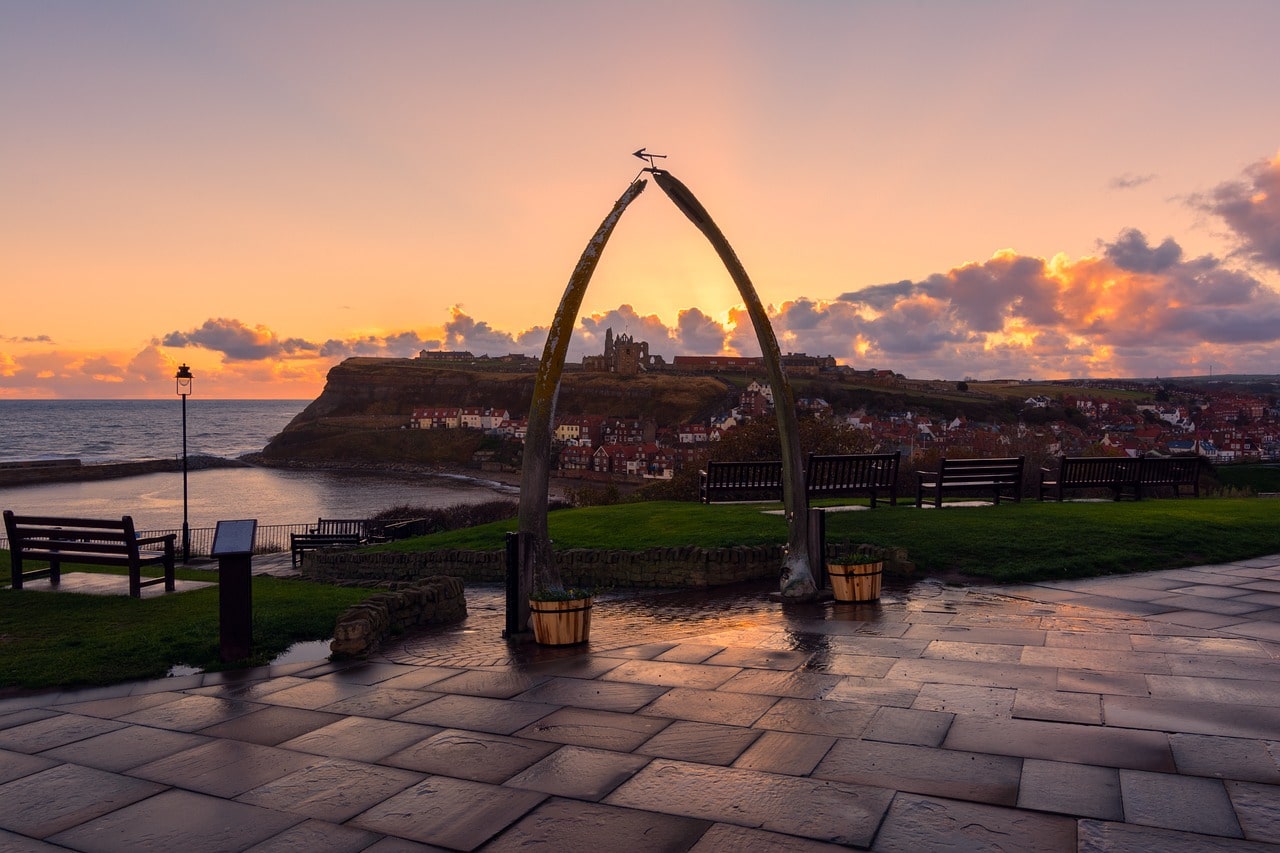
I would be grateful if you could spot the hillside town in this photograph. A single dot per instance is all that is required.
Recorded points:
(1222, 427)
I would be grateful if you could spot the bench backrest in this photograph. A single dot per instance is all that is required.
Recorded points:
(340, 525)
(852, 471)
(49, 533)
(1004, 469)
(1169, 471)
(1098, 469)
(745, 475)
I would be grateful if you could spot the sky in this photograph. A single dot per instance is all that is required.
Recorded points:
(986, 190)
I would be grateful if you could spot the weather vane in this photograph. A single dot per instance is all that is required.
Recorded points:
(649, 158)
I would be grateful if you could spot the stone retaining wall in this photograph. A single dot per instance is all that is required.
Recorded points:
(686, 567)
(362, 627)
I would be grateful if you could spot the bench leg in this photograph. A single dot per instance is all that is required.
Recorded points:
(135, 581)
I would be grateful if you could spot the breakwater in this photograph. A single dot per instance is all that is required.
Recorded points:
(40, 471)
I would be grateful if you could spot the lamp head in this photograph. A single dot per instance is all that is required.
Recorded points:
(183, 379)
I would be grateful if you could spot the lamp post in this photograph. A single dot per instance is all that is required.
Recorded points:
(183, 379)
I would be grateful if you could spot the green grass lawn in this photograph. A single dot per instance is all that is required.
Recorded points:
(58, 639)
(1009, 543)
(65, 639)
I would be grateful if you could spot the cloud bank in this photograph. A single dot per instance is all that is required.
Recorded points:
(1138, 307)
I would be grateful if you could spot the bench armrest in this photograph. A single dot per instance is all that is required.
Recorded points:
(151, 540)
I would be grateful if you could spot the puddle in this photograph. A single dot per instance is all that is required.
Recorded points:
(305, 652)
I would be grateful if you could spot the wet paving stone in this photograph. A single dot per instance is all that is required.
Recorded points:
(1095, 836)
(476, 756)
(875, 691)
(1080, 790)
(992, 652)
(126, 748)
(1186, 803)
(478, 713)
(178, 820)
(15, 765)
(380, 702)
(922, 770)
(361, 738)
(598, 729)
(1103, 746)
(1206, 718)
(1059, 706)
(575, 827)
(666, 674)
(224, 768)
(760, 658)
(579, 772)
(1091, 640)
(908, 725)
(966, 699)
(1104, 683)
(977, 673)
(726, 838)
(334, 789)
(1246, 759)
(918, 824)
(119, 706)
(317, 836)
(495, 684)
(689, 653)
(314, 694)
(52, 732)
(874, 666)
(797, 685)
(710, 706)
(834, 812)
(788, 753)
(271, 725)
(704, 743)
(839, 719)
(595, 693)
(1258, 809)
(50, 801)
(192, 713)
(453, 813)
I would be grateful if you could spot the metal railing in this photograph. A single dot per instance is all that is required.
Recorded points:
(270, 539)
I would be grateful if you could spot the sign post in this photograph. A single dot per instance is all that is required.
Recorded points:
(233, 546)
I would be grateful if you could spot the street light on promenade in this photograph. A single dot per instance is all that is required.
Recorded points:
(183, 379)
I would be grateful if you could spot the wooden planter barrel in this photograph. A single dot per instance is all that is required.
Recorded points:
(858, 582)
(561, 623)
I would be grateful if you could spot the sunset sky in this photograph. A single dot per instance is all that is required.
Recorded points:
(262, 188)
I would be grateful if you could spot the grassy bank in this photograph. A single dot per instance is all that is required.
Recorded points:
(67, 639)
(1012, 542)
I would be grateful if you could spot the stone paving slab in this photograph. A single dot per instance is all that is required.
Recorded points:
(1072, 716)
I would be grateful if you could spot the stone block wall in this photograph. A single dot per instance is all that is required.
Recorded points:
(362, 627)
(686, 567)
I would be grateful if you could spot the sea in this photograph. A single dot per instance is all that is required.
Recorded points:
(97, 431)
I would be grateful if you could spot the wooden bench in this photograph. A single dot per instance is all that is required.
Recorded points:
(740, 481)
(302, 542)
(1117, 473)
(827, 476)
(358, 526)
(971, 475)
(1124, 475)
(1176, 472)
(90, 541)
(853, 474)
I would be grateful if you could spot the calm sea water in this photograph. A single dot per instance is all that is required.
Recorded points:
(126, 430)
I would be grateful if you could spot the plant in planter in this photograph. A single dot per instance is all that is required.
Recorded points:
(856, 575)
(561, 616)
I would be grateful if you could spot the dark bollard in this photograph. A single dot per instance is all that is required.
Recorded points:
(233, 546)
(513, 586)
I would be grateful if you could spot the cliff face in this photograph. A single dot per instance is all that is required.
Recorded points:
(366, 402)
